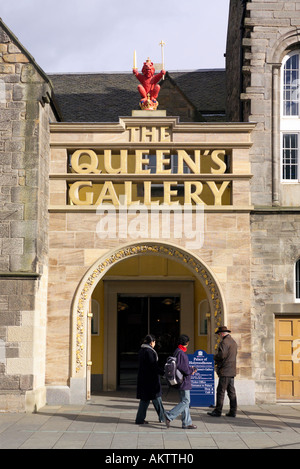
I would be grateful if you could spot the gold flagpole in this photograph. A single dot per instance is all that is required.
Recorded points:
(134, 59)
(162, 44)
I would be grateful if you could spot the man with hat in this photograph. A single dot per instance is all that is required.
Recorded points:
(225, 360)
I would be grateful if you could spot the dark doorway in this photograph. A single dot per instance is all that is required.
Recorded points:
(139, 316)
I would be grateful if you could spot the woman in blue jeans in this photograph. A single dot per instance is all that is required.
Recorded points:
(183, 407)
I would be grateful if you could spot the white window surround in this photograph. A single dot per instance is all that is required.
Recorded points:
(290, 124)
(290, 157)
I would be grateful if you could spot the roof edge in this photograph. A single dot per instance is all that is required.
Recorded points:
(14, 38)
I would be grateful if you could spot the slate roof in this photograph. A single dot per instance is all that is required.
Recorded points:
(206, 89)
(104, 97)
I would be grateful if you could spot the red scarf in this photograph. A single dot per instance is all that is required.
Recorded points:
(182, 347)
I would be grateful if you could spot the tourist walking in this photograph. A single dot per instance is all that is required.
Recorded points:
(148, 381)
(183, 407)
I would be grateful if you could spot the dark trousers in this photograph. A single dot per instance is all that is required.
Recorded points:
(226, 383)
(142, 410)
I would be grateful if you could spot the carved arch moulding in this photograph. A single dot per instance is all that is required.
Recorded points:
(100, 268)
(284, 44)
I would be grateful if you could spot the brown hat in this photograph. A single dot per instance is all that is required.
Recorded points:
(222, 329)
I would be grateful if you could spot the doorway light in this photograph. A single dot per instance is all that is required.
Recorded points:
(122, 306)
(168, 301)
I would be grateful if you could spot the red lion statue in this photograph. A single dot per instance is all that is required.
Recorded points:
(149, 88)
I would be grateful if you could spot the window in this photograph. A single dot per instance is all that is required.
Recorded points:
(173, 164)
(203, 315)
(291, 86)
(96, 317)
(297, 280)
(156, 188)
(290, 160)
(290, 118)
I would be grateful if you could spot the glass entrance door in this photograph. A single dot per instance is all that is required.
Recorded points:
(139, 316)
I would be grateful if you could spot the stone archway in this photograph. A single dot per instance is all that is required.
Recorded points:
(80, 306)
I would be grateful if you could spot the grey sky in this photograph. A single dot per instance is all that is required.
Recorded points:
(101, 35)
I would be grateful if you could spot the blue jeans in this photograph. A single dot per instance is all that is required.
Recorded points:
(142, 410)
(183, 408)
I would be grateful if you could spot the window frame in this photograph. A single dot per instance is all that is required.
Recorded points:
(289, 124)
(95, 325)
(284, 62)
(173, 167)
(297, 280)
(290, 180)
(173, 157)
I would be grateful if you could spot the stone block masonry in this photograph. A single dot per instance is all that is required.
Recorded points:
(275, 239)
(24, 158)
(269, 31)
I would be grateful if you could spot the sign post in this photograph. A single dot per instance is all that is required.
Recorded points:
(203, 382)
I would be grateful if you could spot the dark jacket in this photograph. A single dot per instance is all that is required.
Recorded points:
(185, 368)
(148, 380)
(225, 357)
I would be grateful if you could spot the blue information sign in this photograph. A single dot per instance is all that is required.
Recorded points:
(203, 382)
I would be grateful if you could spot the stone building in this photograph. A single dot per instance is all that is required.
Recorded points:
(116, 222)
(267, 69)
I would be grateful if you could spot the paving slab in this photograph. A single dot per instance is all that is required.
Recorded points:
(107, 423)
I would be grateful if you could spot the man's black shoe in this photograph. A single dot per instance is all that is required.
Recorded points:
(214, 414)
(231, 414)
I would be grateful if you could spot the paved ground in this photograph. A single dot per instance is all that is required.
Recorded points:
(107, 422)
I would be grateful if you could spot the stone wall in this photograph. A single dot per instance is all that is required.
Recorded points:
(270, 30)
(24, 158)
(275, 249)
(75, 245)
(275, 233)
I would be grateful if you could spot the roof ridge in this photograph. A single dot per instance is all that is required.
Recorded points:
(200, 70)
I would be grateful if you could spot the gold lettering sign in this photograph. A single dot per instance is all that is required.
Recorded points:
(194, 193)
(138, 174)
(194, 161)
(149, 171)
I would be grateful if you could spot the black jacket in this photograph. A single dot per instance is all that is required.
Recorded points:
(148, 380)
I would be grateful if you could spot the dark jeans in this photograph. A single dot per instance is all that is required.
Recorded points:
(226, 383)
(142, 410)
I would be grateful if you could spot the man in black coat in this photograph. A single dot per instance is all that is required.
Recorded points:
(225, 360)
(148, 381)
